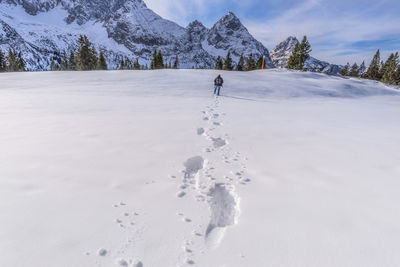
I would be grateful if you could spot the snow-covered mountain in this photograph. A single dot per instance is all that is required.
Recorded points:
(42, 29)
(282, 52)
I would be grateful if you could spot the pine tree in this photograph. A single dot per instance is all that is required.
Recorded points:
(228, 62)
(219, 64)
(86, 56)
(160, 60)
(20, 62)
(373, 69)
(153, 61)
(136, 65)
(53, 65)
(294, 60)
(390, 66)
(398, 76)
(354, 70)
(3, 65)
(176, 63)
(122, 64)
(240, 65)
(71, 61)
(101, 62)
(250, 63)
(128, 64)
(12, 64)
(301, 53)
(305, 50)
(64, 61)
(362, 69)
(259, 63)
(345, 71)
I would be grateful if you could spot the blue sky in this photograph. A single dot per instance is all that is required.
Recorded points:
(339, 31)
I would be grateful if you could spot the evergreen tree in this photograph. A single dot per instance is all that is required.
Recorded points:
(136, 65)
(153, 61)
(301, 53)
(176, 63)
(86, 56)
(228, 62)
(53, 65)
(3, 65)
(12, 64)
(128, 64)
(64, 61)
(259, 63)
(294, 60)
(345, 71)
(240, 65)
(373, 69)
(398, 76)
(305, 50)
(20, 62)
(159, 61)
(354, 70)
(250, 63)
(101, 62)
(71, 61)
(122, 64)
(219, 64)
(362, 69)
(390, 66)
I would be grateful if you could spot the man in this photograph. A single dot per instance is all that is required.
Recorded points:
(218, 82)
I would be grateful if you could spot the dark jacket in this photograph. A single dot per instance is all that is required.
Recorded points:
(218, 81)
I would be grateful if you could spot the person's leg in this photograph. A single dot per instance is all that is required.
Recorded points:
(215, 89)
(219, 89)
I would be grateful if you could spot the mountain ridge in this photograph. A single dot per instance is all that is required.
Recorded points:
(43, 29)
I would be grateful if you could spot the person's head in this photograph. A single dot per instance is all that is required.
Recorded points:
(219, 75)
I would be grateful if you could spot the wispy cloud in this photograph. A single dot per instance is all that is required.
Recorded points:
(339, 31)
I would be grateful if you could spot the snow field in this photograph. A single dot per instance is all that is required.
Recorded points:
(122, 168)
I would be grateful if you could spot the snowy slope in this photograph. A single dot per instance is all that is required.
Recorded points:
(124, 28)
(282, 52)
(125, 168)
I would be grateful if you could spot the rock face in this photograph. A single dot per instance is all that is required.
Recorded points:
(282, 52)
(42, 29)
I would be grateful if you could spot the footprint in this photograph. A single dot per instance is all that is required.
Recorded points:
(102, 252)
(224, 213)
(122, 262)
(193, 166)
(181, 194)
(137, 264)
(200, 131)
(218, 142)
(217, 123)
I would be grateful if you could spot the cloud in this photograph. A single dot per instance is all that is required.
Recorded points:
(339, 31)
(336, 35)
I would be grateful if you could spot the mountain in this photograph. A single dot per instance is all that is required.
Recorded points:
(42, 29)
(282, 52)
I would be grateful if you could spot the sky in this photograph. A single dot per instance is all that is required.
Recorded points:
(339, 31)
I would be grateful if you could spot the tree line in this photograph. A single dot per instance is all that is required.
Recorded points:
(249, 65)
(85, 57)
(385, 71)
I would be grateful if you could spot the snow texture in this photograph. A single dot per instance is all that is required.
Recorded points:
(108, 169)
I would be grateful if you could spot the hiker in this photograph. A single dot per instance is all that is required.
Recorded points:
(218, 83)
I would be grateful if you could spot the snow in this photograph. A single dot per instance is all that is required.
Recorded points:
(110, 169)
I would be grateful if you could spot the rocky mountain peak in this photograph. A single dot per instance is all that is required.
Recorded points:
(229, 22)
(282, 52)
